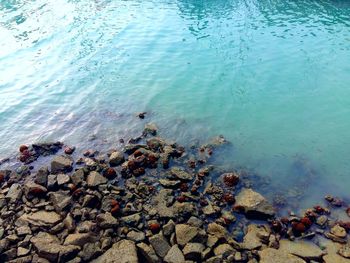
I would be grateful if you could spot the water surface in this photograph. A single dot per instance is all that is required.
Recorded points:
(272, 76)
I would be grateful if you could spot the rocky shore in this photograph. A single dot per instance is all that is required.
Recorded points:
(153, 201)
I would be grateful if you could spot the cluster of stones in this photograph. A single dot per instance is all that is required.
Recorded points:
(150, 202)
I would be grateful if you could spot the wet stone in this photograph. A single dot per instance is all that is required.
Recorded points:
(79, 239)
(338, 231)
(169, 183)
(344, 251)
(49, 247)
(123, 251)
(217, 230)
(306, 250)
(41, 176)
(193, 251)
(90, 251)
(116, 158)
(14, 193)
(136, 236)
(78, 177)
(160, 245)
(41, 218)
(269, 255)
(181, 174)
(169, 228)
(60, 200)
(23, 230)
(132, 219)
(185, 233)
(150, 128)
(32, 190)
(95, 179)
(224, 250)
(254, 205)
(63, 179)
(322, 220)
(61, 164)
(148, 253)
(106, 220)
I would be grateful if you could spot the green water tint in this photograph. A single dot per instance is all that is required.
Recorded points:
(271, 76)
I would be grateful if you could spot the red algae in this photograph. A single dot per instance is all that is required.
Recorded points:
(306, 222)
(69, 150)
(183, 187)
(181, 198)
(230, 179)
(276, 226)
(228, 198)
(22, 148)
(110, 173)
(154, 227)
(298, 228)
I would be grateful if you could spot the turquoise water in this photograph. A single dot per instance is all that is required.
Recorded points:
(272, 76)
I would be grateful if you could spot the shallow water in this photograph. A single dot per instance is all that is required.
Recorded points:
(272, 76)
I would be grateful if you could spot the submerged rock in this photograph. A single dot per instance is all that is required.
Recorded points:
(230, 179)
(32, 190)
(338, 231)
(150, 128)
(181, 174)
(306, 250)
(116, 158)
(254, 205)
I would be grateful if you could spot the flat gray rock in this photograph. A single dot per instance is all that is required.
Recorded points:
(123, 251)
(254, 204)
(306, 250)
(41, 218)
(269, 255)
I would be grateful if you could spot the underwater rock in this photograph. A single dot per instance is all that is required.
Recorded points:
(338, 231)
(230, 179)
(151, 129)
(69, 150)
(141, 115)
(305, 250)
(116, 158)
(254, 205)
